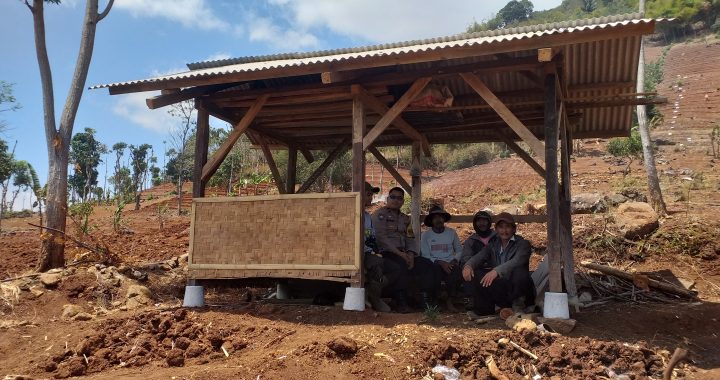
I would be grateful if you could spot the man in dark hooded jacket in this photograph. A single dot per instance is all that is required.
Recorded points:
(482, 223)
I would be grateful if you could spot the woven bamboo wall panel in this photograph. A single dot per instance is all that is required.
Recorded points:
(313, 232)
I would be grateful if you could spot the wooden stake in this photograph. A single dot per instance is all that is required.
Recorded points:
(358, 172)
(416, 200)
(202, 139)
(551, 185)
(566, 238)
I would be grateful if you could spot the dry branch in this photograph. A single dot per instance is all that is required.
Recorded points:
(629, 276)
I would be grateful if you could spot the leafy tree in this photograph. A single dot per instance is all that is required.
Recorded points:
(120, 191)
(123, 181)
(57, 136)
(515, 11)
(22, 179)
(38, 190)
(139, 163)
(85, 153)
(6, 170)
(7, 101)
(181, 154)
(589, 5)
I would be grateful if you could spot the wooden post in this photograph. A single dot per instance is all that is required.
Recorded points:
(551, 184)
(292, 169)
(566, 239)
(358, 172)
(415, 173)
(202, 140)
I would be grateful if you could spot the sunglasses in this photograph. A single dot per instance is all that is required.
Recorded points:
(396, 197)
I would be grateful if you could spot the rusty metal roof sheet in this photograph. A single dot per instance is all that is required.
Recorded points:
(340, 56)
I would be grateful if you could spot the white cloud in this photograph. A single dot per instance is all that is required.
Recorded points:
(218, 56)
(263, 29)
(189, 13)
(172, 70)
(133, 108)
(387, 21)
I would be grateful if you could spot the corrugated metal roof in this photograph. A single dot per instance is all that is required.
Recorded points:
(339, 56)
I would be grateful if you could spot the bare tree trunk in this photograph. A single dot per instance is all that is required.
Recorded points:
(52, 254)
(656, 198)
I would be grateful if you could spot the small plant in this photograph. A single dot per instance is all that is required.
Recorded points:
(80, 214)
(162, 215)
(628, 147)
(431, 313)
(117, 220)
(715, 140)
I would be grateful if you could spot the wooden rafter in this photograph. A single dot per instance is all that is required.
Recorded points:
(392, 114)
(341, 148)
(391, 169)
(523, 154)
(504, 112)
(163, 100)
(214, 163)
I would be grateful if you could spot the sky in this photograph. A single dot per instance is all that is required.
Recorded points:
(145, 38)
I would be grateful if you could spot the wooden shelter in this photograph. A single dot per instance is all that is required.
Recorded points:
(541, 85)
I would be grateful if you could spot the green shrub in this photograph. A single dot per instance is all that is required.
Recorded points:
(80, 214)
(626, 146)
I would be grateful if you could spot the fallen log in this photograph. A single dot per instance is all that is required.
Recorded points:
(668, 288)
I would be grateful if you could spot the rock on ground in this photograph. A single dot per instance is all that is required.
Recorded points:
(50, 280)
(636, 219)
(588, 203)
(70, 311)
(343, 346)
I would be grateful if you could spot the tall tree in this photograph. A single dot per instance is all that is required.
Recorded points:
(119, 149)
(85, 155)
(7, 101)
(656, 197)
(515, 11)
(52, 253)
(38, 190)
(22, 180)
(181, 158)
(139, 163)
(6, 170)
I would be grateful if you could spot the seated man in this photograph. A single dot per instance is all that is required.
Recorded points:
(482, 223)
(441, 246)
(395, 246)
(499, 274)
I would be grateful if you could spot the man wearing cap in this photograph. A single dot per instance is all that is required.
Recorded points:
(441, 247)
(500, 273)
(391, 228)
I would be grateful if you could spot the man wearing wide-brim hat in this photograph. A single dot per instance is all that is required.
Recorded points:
(500, 273)
(440, 249)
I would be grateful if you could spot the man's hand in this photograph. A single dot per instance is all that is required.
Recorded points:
(489, 278)
(407, 257)
(468, 273)
(446, 266)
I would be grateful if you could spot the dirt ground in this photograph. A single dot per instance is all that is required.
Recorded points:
(234, 338)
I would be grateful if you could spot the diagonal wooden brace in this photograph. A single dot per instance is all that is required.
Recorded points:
(344, 145)
(512, 121)
(391, 169)
(392, 115)
(214, 162)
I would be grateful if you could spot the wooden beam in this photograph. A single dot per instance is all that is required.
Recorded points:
(186, 94)
(292, 169)
(324, 165)
(307, 154)
(520, 219)
(551, 185)
(523, 154)
(463, 51)
(380, 108)
(240, 128)
(505, 113)
(358, 175)
(391, 169)
(395, 111)
(202, 139)
(273, 167)
(566, 228)
(416, 200)
(545, 54)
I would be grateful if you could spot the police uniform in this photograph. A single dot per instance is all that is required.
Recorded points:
(393, 230)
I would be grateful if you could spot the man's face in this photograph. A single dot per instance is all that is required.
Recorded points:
(395, 200)
(504, 230)
(438, 221)
(368, 197)
(482, 224)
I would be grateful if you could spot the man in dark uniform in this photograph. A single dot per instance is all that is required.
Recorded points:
(396, 246)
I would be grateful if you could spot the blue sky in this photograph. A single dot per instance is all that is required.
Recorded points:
(143, 38)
